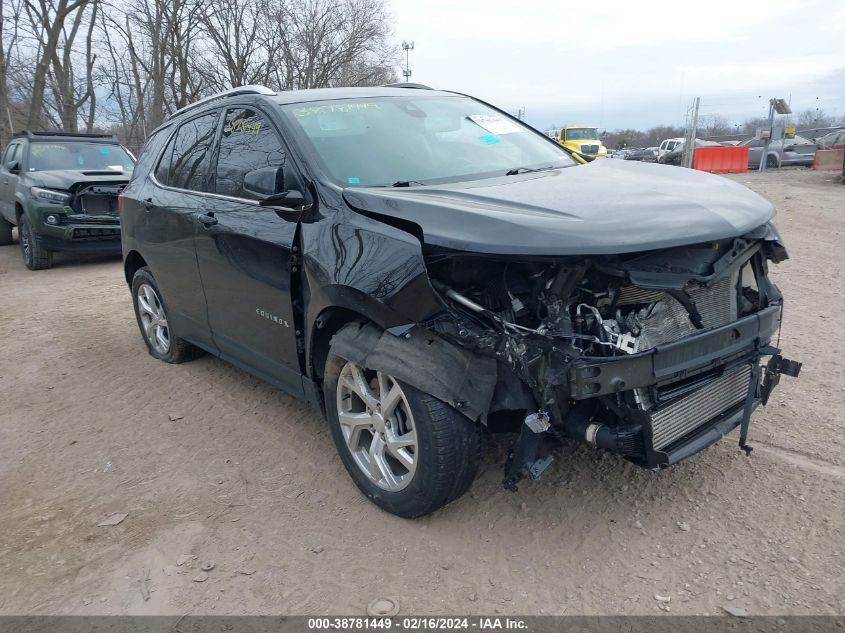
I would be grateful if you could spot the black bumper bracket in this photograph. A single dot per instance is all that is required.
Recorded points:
(776, 366)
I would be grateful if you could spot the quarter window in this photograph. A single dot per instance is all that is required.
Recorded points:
(248, 142)
(187, 158)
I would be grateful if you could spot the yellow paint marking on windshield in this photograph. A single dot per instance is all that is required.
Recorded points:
(243, 125)
(37, 149)
(336, 107)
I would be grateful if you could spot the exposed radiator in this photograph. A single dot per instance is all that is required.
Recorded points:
(687, 413)
(666, 320)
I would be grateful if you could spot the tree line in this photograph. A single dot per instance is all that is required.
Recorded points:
(124, 65)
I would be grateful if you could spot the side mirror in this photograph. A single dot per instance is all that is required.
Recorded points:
(265, 182)
(14, 167)
(292, 199)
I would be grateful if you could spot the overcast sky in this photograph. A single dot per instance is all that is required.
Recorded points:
(619, 64)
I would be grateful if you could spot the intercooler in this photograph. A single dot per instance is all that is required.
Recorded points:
(685, 414)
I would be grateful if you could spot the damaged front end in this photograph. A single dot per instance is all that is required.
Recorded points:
(652, 355)
(85, 216)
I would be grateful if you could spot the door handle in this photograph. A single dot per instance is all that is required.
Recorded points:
(148, 204)
(207, 219)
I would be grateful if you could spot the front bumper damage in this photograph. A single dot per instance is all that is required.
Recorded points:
(88, 222)
(664, 361)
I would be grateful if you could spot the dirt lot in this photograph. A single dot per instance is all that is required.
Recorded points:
(211, 464)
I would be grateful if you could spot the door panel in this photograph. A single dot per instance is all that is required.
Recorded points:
(244, 260)
(8, 182)
(166, 229)
(244, 251)
(169, 207)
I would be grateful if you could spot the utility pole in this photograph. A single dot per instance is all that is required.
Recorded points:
(692, 132)
(407, 47)
(779, 106)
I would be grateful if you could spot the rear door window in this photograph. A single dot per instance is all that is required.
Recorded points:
(248, 142)
(187, 157)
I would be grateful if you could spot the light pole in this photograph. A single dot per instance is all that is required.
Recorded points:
(407, 47)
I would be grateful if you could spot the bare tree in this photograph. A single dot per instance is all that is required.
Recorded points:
(237, 43)
(126, 64)
(48, 21)
(321, 39)
(9, 30)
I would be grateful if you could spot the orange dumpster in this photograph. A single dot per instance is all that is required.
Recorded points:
(721, 160)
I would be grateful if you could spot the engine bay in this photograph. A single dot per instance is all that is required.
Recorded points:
(577, 341)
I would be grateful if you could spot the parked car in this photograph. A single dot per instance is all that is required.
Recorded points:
(667, 146)
(61, 191)
(650, 155)
(833, 140)
(794, 151)
(418, 298)
(675, 156)
(635, 154)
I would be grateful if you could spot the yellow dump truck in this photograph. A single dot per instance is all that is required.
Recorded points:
(583, 139)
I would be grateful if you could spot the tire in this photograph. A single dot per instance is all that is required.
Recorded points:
(447, 447)
(5, 232)
(151, 315)
(35, 256)
(772, 161)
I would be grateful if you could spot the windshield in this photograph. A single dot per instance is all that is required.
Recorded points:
(581, 134)
(79, 156)
(419, 140)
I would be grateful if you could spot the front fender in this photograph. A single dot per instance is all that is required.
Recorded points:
(359, 264)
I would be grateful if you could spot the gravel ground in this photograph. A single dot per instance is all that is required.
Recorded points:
(210, 464)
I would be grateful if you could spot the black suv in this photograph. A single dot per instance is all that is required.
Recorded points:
(61, 190)
(424, 267)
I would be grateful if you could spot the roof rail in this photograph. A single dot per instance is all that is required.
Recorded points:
(408, 85)
(239, 90)
(30, 134)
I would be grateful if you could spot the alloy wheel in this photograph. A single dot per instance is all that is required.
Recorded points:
(153, 318)
(378, 426)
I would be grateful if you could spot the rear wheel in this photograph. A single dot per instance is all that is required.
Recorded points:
(5, 232)
(35, 256)
(151, 314)
(407, 451)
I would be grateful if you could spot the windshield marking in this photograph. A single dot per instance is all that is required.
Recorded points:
(338, 107)
(493, 123)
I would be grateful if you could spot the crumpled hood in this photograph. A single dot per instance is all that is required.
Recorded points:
(604, 207)
(66, 179)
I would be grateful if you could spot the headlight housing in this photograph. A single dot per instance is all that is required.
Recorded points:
(51, 196)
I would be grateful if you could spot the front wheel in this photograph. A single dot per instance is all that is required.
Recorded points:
(35, 256)
(407, 451)
(772, 161)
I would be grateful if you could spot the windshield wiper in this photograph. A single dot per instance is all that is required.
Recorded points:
(528, 170)
(407, 183)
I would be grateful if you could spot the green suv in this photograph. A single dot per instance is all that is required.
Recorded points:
(62, 192)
